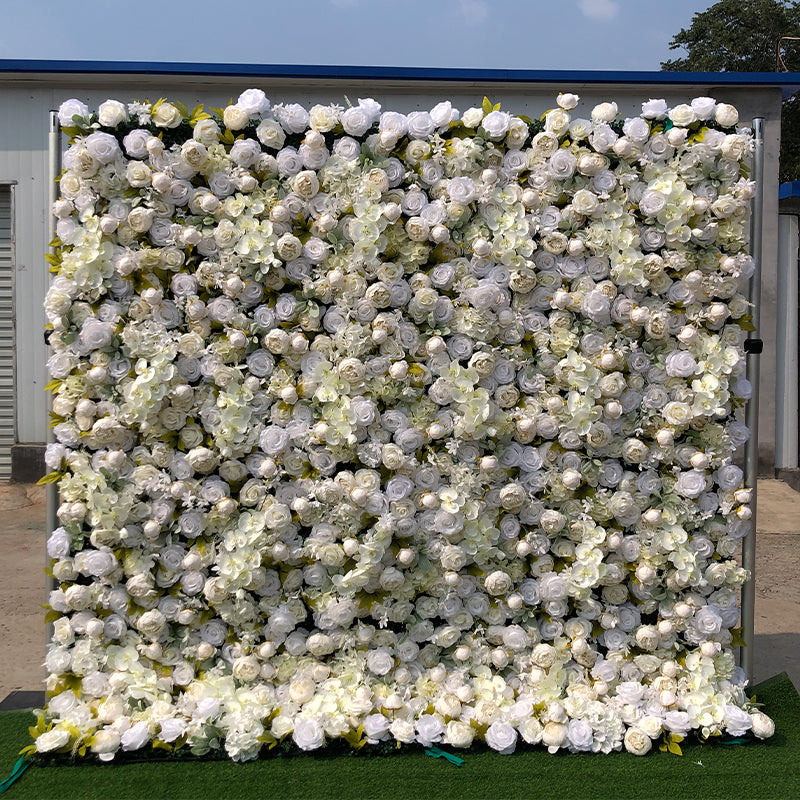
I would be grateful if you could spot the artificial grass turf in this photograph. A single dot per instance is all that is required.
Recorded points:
(754, 771)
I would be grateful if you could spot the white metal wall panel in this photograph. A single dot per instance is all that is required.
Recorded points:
(23, 159)
(7, 406)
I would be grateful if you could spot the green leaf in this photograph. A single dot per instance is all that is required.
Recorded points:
(745, 322)
(54, 385)
(51, 477)
(487, 105)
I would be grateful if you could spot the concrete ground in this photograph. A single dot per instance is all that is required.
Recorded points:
(22, 585)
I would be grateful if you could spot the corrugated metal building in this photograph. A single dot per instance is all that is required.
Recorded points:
(29, 90)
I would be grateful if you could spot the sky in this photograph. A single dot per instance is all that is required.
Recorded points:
(479, 34)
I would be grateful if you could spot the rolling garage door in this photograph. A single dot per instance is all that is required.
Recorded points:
(7, 415)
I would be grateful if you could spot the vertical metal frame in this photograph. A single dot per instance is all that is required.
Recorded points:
(786, 386)
(54, 172)
(753, 349)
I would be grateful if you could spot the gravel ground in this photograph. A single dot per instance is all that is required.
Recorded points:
(22, 585)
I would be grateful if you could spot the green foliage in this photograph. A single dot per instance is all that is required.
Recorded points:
(740, 36)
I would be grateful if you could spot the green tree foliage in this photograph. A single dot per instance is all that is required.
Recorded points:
(740, 36)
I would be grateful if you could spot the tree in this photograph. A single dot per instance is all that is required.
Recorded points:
(740, 36)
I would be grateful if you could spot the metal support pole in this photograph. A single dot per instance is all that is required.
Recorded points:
(753, 349)
(786, 385)
(54, 172)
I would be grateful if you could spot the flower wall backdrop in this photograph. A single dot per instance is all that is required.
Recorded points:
(384, 426)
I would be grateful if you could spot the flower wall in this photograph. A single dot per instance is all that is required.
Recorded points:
(384, 426)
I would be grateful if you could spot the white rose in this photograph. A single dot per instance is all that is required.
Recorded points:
(636, 129)
(202, 460)
(429, 729)
(458, 734)
(502, 737)
(59, 543)
(531, 730)
(136, 736)
(98, 562)
(707, 621)
(402, 730)
(380, 661)
(56, 738)
(293, 117)
(137, 174)
(737, 721)
(763, 726)
(306, 184)
(637, 741)
(516, 638)
(654, 109)
(308, 733)
(496, 124)
(376, 727)
(472, 117)
(323, 118)
(171, 729)
(652, 203)
(556, 122)
(554, 735)
(680, 364)
(253, 101)
(69, 109)
(579, 734)
(726, 115)
(78, 597)
(102, 147)
(562, 164)
(167, 116)
(704, 107)
(691, 483)
(356, 121)
(585, 202)
(235, 117)
(567, 101)
(420, 125)
(498, 583)
(271, 134)
(152, 623)
(605, 112)
(111, 113)
(206, 131)
(729, 477)
(246, 668)
(682, 115)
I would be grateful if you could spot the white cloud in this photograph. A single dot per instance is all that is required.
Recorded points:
(599, 9)
(473, 11)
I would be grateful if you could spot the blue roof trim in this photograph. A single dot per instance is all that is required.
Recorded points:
(789, 82)
(789, 79)
(789, 190)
